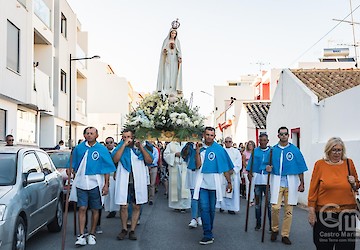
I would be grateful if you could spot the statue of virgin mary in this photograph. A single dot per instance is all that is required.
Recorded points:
(170, 74)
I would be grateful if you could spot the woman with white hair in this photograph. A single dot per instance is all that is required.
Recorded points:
(331, 201)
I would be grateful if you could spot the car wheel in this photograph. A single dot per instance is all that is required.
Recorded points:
(19, 239)
(57, 223)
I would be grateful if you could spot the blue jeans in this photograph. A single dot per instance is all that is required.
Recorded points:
(260, 190)
(194, 206)
(207, 201)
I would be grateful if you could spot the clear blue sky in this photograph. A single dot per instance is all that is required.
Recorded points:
(220, 40)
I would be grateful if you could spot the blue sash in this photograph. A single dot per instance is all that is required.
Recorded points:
(217, 160)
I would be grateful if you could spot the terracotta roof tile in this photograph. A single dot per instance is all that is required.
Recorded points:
(328, 82)
(258, 112)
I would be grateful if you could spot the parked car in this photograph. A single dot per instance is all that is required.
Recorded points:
(60, 159)
(31, 195)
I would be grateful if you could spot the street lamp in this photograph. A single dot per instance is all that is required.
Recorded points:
(70, 87)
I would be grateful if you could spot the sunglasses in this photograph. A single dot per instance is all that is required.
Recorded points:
(281, 134)
(109, 142)
(228, 141)
(10, 140)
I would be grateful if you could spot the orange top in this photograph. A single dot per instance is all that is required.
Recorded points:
(329, 184)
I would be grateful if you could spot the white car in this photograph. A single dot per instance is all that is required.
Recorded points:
(31, 195)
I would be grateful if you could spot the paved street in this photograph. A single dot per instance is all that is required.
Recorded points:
(163, 228)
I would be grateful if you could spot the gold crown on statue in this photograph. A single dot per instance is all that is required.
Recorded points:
(175, 24)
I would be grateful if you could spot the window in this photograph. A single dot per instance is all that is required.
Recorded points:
(26, 127)
(63, 81)
(13, 47)
(31, 164)
(47, 168)
(2, 124)
(63, 28)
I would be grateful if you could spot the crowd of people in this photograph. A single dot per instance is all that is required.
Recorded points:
(203, 176)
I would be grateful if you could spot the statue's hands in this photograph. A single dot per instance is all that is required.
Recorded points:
(165, 51)
(180, 60)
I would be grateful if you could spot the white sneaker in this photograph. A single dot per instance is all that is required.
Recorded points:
(80, 240)
(193, 223)
(199, 221)
(91, 239)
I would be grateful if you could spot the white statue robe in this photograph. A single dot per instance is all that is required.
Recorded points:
(232, 203)
(141, 180)
(170, 71)
(179, 195)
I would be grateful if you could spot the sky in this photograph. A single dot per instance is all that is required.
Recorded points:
(220, 40)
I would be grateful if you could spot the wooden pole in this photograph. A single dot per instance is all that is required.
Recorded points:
(66, 204)
(266, 198)
(249, 191)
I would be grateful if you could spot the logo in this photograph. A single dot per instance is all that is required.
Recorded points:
(95, 155)
(211, 156)
(289, 156)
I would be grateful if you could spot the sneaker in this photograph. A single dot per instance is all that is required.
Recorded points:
(132, 235)
(98, 230)
(138, 223)
(274, 235)
(231, 212)
(199, 221)
(111, 214)
(258, 227)
(182, 211)
(206, 241)
(286, 240)
(151, 203)
(221, 210)
(91, 239)
(80, 240)
(122, 234)
(193, 223)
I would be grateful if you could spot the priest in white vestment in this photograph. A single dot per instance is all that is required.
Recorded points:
(231, 202)
(179, 195)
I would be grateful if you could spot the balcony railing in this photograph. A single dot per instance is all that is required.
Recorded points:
(42, 12)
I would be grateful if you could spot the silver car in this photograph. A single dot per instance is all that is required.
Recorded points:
(31, 195)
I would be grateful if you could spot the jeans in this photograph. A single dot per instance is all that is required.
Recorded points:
(194, 206)
(260, 190)
(207, 201)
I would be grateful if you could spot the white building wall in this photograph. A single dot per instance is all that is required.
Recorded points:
(20, 89)
(339, 115)
(108, 100)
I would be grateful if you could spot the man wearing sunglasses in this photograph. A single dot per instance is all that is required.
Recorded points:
(9, 140)
(287, 179)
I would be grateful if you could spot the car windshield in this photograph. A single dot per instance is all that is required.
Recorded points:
(60, 159)
(7, 169)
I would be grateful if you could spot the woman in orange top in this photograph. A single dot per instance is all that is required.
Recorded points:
(331, 198)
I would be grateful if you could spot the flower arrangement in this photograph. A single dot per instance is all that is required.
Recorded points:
(159, 117)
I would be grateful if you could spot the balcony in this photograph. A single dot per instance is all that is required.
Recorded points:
(80, 114)
(42, 12)
(42, 94)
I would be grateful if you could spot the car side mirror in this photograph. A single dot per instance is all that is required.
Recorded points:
(34, 177)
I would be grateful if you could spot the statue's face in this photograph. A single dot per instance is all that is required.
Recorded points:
(173, 34)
